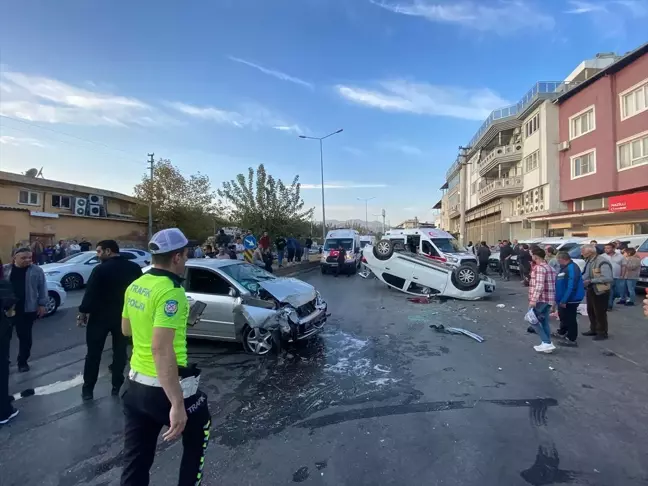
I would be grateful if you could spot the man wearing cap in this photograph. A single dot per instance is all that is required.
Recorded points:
(162, 388)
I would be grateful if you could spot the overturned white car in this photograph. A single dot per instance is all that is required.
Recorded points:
(417, 274)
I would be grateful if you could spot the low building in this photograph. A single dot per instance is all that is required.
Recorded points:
(32, 207)
(604, 152)
(414, 223)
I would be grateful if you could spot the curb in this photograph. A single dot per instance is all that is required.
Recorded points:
(296, 270)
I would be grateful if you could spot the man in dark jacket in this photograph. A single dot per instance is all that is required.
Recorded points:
(29, 287)
(7, 310)
(483, 254)
(570, 292)
(341, 259)
(280, 243)
(506, 251)
(101, 310)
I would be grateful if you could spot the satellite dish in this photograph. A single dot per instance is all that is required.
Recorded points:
(32, 173)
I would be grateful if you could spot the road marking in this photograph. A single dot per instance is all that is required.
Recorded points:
(55, 387)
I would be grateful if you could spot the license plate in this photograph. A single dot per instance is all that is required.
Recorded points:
(643, 279)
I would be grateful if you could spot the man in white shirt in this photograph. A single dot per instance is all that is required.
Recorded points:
(240, 249)
(616, 259)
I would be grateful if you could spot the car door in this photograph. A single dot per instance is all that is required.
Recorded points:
(85, 269)
(207, 286)
(431, 275)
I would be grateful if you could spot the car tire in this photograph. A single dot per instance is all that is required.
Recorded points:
(53, 302)
(465, 277)
(72, 281)
(383, 250)
(261, 342)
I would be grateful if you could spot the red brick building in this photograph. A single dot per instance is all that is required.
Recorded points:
(603, 129)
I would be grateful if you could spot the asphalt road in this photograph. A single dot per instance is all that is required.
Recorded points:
(378, 399)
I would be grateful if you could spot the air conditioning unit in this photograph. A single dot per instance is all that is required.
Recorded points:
(95, 199)
(80, 206)
(564, 146)
(95, 210)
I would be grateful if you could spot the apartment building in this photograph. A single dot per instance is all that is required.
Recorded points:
(603, 158)
(505, 182)
(51, 210)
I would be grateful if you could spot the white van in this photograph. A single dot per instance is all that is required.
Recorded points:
(367, 240)
(433, 243)
(349, 240)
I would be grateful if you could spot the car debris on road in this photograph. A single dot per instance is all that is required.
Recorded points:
(456, 330)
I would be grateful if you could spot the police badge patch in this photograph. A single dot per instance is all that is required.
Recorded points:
(171, 308)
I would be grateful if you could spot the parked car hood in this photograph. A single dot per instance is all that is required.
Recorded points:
(57, 267)
(462, 254)
(494, 256)
(289, 291)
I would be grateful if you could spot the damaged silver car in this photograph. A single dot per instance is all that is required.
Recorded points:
(249, 305)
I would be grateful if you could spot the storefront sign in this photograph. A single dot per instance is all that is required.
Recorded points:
(628, 202)
(40, 214)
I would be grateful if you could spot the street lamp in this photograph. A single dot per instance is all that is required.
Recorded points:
(320, 139)
(366, 200)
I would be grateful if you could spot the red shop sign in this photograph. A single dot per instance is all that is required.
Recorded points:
(628, 202)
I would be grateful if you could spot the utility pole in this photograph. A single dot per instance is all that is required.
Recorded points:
(151, 189)
(383, 216)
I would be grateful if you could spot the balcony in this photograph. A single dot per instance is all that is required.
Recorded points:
(500, 155)
(453, 212)
(501, 187)
(539, 92)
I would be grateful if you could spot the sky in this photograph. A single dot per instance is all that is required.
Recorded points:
(88, 88)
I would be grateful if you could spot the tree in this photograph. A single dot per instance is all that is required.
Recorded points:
(181, 202)
(259, 202)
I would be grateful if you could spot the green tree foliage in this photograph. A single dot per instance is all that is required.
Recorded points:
(182, 202)
(259, 202)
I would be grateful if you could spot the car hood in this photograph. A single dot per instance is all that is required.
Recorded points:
(462, 254)
(289, 291)
(56, 267)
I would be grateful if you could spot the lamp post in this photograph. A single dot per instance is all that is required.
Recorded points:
(382, 214)
(366, 201)
(320, 139)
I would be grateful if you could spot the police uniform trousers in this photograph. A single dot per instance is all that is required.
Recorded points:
(146, 411)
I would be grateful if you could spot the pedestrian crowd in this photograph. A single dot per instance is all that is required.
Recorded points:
(287, 249)
(43, 253)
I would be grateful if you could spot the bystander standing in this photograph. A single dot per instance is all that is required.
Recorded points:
(570, 292)
(616, 259)
(630, 272)
(542, 297)
(597, 277)
(483, 254)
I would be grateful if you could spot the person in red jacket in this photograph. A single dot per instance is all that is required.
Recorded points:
(264, 242)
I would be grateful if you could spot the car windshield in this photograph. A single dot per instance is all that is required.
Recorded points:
(335, 243)
(78, 258)
(247, 275)
(447, 245)
(364, 243)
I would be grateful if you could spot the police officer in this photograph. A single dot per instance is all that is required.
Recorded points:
(162, 388)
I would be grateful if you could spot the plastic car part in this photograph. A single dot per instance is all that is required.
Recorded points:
(456, 330)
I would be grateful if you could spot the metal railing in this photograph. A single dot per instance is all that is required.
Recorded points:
(501, 154)
(501, 187)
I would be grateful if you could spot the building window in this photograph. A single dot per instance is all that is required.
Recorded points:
(634, 100)
(582, 123)
(583, 164)
(531, 126)
(633, 153)
(63, 202)
(531, 161)
(29, 197)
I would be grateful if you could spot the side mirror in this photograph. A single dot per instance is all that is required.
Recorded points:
(232, 292)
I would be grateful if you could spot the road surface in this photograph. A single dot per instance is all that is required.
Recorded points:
(378, 399)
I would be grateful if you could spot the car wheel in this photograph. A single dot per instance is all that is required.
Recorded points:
(259, 341)
(383, 250)
(72, 281)
(53, 302)
(465, 277)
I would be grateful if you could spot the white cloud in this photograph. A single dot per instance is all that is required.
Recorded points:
(354, 151)
(18, 141)
(501, 17)
(343, 185)
(296, 129)
(580, 7)
(249, 116)
(401, 147)
(43, 99)
(425, 99)
(272, 72)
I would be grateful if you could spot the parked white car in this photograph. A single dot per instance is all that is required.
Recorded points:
(74, 271)
(56, 296)
(419, 275)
